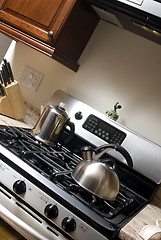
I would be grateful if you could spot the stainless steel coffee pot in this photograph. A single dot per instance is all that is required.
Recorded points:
(51, 125)
(98, 177)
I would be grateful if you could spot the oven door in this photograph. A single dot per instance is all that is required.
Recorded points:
(25, 222)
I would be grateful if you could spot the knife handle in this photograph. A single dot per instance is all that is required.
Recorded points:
(3, 76)
(2, 91)
(10, 71)
(6, 71)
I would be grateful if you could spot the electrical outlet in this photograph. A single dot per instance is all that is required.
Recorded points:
(30, 78)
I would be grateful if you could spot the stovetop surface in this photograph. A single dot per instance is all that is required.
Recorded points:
(56, 165)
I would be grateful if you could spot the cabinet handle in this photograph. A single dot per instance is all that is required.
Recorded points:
(50, 34)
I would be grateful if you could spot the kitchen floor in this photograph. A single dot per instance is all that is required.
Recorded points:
(8, 233)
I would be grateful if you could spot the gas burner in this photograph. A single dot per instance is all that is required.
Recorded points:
(47, 160)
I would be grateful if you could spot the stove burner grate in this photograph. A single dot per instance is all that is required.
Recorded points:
(56, 164)
(104, 208)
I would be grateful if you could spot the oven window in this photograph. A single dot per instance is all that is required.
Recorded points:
(8, 233)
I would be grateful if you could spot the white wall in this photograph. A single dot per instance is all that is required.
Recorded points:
(116, 66)
(4, 44)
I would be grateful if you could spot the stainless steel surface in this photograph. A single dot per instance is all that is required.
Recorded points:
(19, 225)
(148, 6)
(38, 199)
(47, 183)
(23, 221)
(151, 6)
(51, 124)
(97, 177)
(145, 154)
(142, 17)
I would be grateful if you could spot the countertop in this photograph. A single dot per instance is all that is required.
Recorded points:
(147, 216)
(28, 121)
(130, 231)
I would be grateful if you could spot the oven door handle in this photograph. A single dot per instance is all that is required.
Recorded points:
(20, 226)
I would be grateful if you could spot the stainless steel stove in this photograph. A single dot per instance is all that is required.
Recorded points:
(40, 199)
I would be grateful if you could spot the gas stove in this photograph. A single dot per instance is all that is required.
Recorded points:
(36, 187)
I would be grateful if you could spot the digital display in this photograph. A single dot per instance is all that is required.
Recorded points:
(106, 127)
(104, 130)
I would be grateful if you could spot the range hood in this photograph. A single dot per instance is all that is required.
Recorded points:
(142, 17)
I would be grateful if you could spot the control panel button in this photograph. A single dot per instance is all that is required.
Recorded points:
(19, 187)
(69, 224)
(51, 211)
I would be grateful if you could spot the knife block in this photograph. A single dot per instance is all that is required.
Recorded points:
(12, 104)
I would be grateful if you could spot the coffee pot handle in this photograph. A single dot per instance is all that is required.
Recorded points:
(71, 133)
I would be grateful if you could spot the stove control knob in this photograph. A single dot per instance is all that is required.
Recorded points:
(51, 211)
(19, 187)
(79, 115)
(69, 224)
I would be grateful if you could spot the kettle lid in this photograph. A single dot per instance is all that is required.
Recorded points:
(60, 110)
(61, 106)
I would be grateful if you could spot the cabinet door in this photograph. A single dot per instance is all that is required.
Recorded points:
(42, 19)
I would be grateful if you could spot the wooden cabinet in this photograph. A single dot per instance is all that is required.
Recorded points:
(58, 28)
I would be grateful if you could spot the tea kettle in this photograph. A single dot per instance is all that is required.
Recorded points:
(51, 125)
(98, 177)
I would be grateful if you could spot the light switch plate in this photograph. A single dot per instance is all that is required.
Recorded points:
(30, 78)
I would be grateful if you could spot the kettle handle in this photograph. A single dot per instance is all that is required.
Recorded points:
(118, 148)
(71, 134)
